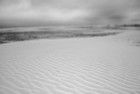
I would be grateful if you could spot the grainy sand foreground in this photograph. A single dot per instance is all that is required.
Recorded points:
(98, 65)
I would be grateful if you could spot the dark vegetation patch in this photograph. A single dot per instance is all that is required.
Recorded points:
(137, 43)
(130, 25)
(6, 37)
(124, 26)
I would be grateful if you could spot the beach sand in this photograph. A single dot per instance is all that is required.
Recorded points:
(95, 65)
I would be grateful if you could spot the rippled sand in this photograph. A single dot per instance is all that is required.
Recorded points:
(98, 65)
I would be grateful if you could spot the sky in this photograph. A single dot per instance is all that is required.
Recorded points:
(49, 12)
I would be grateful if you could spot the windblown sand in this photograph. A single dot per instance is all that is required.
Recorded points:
(98, 65)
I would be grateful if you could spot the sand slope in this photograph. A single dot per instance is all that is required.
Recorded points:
(99, 65)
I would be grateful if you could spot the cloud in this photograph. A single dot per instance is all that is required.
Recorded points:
(31, 12)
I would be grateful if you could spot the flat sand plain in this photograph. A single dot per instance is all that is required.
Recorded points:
(98, 65)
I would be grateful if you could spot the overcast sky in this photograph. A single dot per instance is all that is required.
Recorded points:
(45, 12)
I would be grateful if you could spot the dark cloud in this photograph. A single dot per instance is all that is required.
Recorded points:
(44, 12)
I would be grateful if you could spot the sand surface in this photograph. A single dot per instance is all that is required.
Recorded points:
(98, 65)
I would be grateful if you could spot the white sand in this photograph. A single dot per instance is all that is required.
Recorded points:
(98, 65)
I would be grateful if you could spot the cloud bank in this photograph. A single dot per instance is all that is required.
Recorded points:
(45, 12)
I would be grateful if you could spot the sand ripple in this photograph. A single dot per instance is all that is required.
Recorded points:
(74, 66)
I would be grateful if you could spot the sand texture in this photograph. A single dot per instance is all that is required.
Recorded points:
(98, 65)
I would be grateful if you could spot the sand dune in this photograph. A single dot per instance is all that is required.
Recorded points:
(99, 65)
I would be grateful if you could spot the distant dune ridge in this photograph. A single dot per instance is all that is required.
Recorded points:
(52, 32)
(13, 34)
(98, 65)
